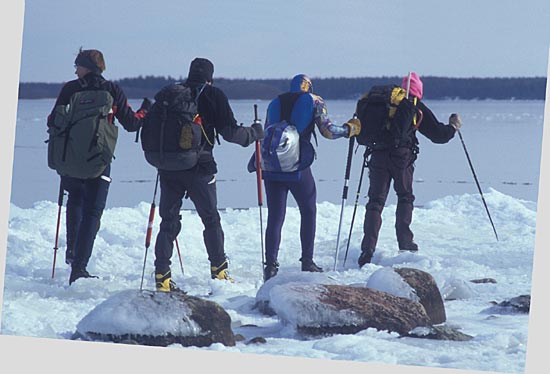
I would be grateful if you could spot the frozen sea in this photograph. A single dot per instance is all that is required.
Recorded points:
(503, 139)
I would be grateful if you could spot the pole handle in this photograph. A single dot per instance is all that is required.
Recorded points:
(59, 207)
(348, 167)
(150, 225)
(258, 160)
(259, 173)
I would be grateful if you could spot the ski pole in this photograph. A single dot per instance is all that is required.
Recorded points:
(408, 84)
(59, 206)
(179, 255)
(344, 194)
(356, 201)
(149, 230)
(259, 183)
(477, 183)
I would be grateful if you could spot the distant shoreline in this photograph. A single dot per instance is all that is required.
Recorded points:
(435, 88)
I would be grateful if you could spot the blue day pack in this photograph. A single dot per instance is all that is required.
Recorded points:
(284, 151)
(280, 148)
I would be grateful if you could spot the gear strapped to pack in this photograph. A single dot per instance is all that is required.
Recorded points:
(173, 135)
(388, 118)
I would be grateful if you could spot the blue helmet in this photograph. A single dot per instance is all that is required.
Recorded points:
(301, 82)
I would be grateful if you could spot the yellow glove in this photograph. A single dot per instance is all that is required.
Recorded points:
(354, 127)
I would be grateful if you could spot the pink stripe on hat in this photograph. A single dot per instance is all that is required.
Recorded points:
(416, 88)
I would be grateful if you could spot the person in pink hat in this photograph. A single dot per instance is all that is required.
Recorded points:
(391, 161)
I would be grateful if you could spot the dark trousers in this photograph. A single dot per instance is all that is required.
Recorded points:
(85, 205)
(385, 166)
(201, 189)
(305, 194)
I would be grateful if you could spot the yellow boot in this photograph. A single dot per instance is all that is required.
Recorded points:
(164, 282)
(221, 272)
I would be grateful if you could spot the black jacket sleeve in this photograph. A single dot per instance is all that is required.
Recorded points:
(431, 128)
(63, 98)
(130, 120)
(215, 109)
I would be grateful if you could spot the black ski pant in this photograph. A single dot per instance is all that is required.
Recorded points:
(201, 189)
(305, 194)
(384, 166)
(85, 204)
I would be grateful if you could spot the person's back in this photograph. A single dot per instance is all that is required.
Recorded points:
(85, 168)
(395, 161)
(305, 111)
(198, 182)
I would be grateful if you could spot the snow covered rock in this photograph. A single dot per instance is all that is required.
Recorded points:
(317, 309)
(263, 296)
(427, 291)
(439, 333)
(521, 304)
(457, 289)
(412, 284)
(157, 319)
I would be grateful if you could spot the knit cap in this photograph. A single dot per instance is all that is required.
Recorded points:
(416, 87)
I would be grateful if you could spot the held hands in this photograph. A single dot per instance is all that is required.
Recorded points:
(258, 130)
(146, 105)
(455, 121)
(354, 127)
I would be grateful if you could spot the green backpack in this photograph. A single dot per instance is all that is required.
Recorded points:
(81, 140)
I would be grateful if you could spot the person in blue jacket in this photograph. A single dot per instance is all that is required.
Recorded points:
(305, 110)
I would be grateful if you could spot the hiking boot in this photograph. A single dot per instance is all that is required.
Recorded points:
(270, 270)
(69, 257)
(309, 265)
(410, 246)
(77, 273)
(364, 258)
(221, 272)
(164, 283)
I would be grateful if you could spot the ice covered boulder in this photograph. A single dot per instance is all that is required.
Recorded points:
(412, 284)
(426, 289)
(518, 304)
(318, 309)
(157, 319)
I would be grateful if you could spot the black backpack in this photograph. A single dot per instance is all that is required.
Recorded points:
(387, 118)
(172, 135)
(82, 139)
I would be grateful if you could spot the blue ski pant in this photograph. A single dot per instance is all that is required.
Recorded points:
(85, 204)
(305, 194)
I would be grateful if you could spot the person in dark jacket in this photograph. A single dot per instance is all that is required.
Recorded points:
(305, 111)
(87, 197)
(199, 182)
(397, 163)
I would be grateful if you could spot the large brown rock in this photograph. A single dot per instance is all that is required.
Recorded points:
(337, 309)
(157, 319)
(427, 291)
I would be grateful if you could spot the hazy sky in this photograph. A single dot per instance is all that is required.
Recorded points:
(277, 38)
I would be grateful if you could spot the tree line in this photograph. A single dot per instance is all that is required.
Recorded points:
(435, 88)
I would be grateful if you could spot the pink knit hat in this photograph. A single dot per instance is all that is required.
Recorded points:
(416, 85)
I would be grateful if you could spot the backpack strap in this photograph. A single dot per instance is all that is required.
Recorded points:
(288, 100)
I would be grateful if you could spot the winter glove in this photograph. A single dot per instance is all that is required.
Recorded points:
(455, 121)
(258, 131)
(146, 105)
(354, 125)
